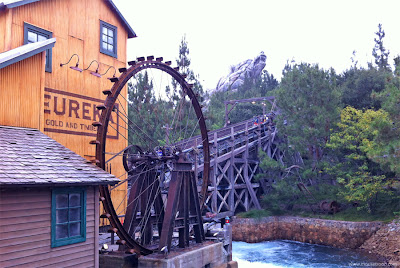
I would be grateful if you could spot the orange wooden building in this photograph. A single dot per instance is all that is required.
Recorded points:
(55, 99)
(55, 60)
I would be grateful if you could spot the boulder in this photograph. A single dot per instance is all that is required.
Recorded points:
(250, 68)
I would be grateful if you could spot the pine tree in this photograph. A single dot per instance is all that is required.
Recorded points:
(310, 103)
(183, 61)
(379, 52)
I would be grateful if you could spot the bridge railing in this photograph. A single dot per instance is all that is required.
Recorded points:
(221, 134)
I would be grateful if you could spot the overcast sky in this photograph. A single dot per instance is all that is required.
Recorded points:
(221, 33)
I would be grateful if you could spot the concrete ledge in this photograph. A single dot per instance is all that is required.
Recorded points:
(208, 253)
(118, 260)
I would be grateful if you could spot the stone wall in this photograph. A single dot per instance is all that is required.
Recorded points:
(207, 254)
(340, 234)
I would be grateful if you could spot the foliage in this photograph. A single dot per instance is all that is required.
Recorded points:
(379, 52)
(159, 120)
(361, 177)
(142, 113)
(268, 163)
(282, 198)
(255, 214)
(358, 84)
(270, 169)
(183, 61)
(309, 101)
(386, 207)
(216, 110)
(386, 151)
(325, 191)
(359, 146)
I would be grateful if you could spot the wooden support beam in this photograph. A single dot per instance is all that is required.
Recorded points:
(250, 189)
(214, 180)
(171, 209)
(231, 200)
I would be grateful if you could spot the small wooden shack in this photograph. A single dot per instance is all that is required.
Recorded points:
(49, 202)
(55, 60)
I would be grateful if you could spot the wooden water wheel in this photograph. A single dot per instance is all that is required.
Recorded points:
(158, 195)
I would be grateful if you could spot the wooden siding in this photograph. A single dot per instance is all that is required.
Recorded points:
(76, 26)
(25, 231)
(3, 30)
(21, 102)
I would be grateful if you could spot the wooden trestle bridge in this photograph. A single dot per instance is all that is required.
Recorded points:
(234, 163)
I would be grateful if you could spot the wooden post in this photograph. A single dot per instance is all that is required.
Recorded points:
(171, 209)
(196, 159)
(184, 212)
(231, 174)
(96, 224)
(183, 201)
(214, 197)
(250, 189)
(226, 114)
(246, 170)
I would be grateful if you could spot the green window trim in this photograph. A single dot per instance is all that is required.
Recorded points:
(40, 34)
(65, 216)
(108, 39)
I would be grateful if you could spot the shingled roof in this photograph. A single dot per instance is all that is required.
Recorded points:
(28, 157)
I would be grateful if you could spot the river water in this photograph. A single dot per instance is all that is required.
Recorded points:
(283, 253)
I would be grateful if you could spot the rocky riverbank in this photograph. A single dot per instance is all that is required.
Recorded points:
(386, 243)
(373, 237)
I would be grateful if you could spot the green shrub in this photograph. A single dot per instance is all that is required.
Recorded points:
(255, 214)
(282, 198)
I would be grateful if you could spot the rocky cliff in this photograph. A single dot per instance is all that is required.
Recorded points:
(251, 68)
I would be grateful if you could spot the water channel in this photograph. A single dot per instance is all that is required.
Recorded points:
(283, 253)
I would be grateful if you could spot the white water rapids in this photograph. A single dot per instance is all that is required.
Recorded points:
(283, 253)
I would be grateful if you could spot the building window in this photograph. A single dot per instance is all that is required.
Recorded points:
(33, 34)
(108, 39)
(68, 216)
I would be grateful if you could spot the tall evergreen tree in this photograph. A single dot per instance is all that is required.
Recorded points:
(358, 84)
(183, 61)
(379, 52)
(143, 108)
(310, 104)
(387, 149)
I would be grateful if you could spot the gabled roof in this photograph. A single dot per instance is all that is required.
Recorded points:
(17, 3)
(30, 158)
(24, 52)
(113, 7)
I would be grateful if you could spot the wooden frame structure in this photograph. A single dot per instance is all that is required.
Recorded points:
(234, 164)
